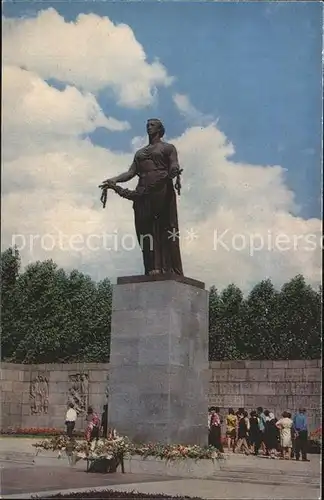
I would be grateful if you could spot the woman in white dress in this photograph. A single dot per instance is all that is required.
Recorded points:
(285, 425)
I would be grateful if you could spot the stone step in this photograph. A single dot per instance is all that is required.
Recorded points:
(277, 472)
(254, 473)
(266, 477)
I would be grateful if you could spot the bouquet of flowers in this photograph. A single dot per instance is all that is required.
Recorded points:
(176, 452)
(54, 443)
(118, 447)
(316, 436)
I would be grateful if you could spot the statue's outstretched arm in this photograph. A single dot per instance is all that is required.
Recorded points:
(133, 194)
(124, 177)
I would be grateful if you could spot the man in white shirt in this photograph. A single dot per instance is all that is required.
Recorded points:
(70, 419)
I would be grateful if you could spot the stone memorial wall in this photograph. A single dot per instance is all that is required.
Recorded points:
(37, 395)
(275, 385)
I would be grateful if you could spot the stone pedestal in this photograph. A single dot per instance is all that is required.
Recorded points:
(158, 380)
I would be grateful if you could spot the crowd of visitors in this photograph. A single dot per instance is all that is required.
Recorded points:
(254, 433)
(260, 432)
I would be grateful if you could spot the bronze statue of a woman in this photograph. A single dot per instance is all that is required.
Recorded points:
(154, 201)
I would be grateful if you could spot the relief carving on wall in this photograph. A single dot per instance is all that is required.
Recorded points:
(38, 394)
(78, 393)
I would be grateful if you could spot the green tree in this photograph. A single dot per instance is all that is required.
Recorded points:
(300, 320)
(10, 265)
(214, 304)
(43, 318)
(228, 331)
(95, 343)
(50, 316)
(60, 317)
(262, 332)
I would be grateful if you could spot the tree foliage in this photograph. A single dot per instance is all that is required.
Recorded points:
(49, 315)
(267, 324)
(9, 266)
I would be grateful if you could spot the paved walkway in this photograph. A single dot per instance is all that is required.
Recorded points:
(215, 490)
(20, 479)
(240, 478)
(25, 482)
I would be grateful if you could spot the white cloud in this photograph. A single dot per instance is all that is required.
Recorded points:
(138, 142)
(51, 174)
(61, 197)
(189, 112)
(206, 154)
(32, 106)
(91, 53)
(57, 198)
(232, 205)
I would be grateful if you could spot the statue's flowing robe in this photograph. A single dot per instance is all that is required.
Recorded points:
(155, 207)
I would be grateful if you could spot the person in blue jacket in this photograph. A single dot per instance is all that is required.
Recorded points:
(301, 434)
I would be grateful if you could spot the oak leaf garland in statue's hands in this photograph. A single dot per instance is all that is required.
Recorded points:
(132, 194)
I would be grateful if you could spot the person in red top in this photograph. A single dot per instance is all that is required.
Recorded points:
(214, 424)
(93, 427)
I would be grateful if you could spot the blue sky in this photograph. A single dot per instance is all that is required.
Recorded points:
(255, 66)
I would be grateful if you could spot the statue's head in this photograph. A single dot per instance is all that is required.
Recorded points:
(155, 126)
